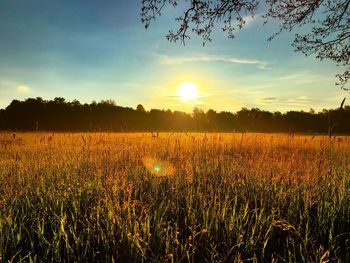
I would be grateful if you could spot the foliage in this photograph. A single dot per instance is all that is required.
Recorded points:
(59, 115)
(329, 37)
(231, 198)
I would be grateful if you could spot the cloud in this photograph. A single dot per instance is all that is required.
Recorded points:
(168, 60)
(267, 100)
(304, 77)
(22, 89)
(179, 97)
(195, 101)
(198, 100)
(300, 100)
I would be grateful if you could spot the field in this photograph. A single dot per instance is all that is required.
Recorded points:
(105, 197)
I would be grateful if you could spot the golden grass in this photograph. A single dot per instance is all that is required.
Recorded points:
(176, 197)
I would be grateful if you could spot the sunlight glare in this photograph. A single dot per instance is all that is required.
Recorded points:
(188, 92)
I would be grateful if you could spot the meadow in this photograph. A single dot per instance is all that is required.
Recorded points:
(174, 197)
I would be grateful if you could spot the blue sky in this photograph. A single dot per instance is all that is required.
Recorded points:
(93, 50)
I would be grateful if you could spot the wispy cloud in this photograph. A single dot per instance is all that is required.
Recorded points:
(198, 100)
(171, 60)
(23, 89)
(300, 100)
(267, 100)
(303, 77)
(179, 97)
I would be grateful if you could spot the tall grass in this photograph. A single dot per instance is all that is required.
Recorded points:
(226, 198)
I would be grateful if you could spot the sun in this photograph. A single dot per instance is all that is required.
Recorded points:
(188, 92)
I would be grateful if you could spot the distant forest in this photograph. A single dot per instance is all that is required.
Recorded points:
(59, 115)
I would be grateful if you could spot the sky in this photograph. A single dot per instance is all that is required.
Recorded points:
(97, 50)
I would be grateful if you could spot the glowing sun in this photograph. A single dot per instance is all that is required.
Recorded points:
(188, 92)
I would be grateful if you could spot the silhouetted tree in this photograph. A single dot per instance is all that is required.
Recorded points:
(212, 120)
(140, 108)
(59, 115)
(200, 120)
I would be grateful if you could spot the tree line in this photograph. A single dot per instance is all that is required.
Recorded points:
(60, 115)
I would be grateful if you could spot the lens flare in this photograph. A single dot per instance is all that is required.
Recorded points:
(158, 167)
